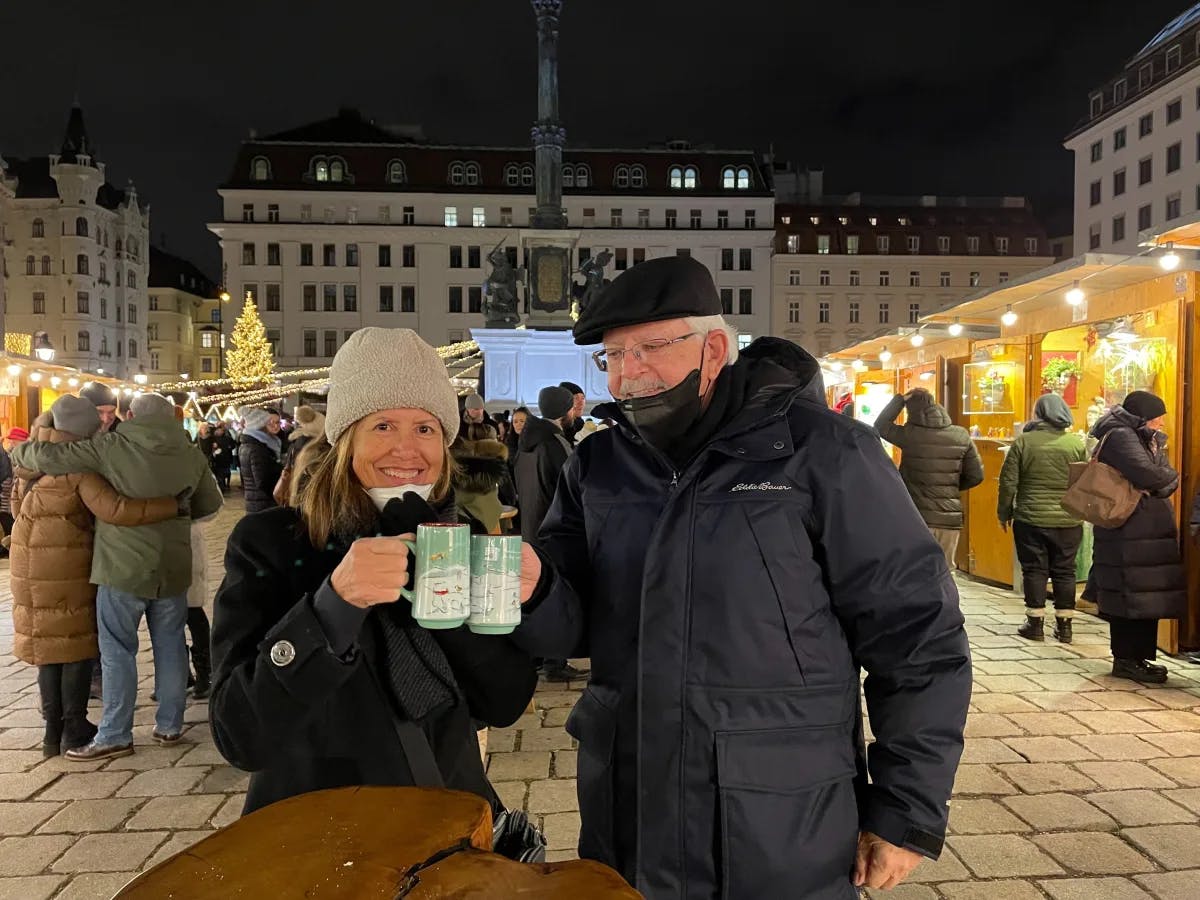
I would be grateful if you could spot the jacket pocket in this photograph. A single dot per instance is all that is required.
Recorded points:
(788, 813)
(593, 722)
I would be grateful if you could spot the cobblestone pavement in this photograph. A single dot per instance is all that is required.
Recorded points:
(1074, 786)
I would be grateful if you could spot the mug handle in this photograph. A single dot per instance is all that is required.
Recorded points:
(412, 554)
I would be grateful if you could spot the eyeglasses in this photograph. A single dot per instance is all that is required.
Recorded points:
(613, 360)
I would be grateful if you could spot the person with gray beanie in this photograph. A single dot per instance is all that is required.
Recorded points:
(1033, 479)
(476, 424)
(259, 457)
(542, 451)
(139, 570)
(318, 662)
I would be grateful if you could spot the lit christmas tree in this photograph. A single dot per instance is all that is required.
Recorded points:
(249, 360)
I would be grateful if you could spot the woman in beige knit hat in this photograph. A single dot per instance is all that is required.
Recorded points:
(322, 677)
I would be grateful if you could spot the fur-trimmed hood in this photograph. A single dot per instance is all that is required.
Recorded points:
(482, 465)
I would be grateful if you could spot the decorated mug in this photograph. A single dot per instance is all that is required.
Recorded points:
(495, 584)
(441, 594)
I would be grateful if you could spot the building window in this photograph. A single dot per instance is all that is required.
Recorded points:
(973, 279)
(914, 279)
(621, 177)
(726, 260)
(621, 259)
(408, 298)
(451, 216)
(1174, 157)
(526, 176)
(387, 298)
(639, 255)
(250, 292)
(456, 258)
(1094, 194)
(1003, 278)
(1174, 111)
(478, 217)
(751, 216)
(793, 275)
(456, 299)
(132, 315)
(81, 264)
(1118, 182)
(82, 303)
(616, 218)
(1174, 206)
(83, 341)
(395, 172)
(330, 343)
(1031, 246)
(944, 244)
(745, 302)
(153, 304)
(81, 229)
(1097, 151)
(1145, 75)
(131, 280)
(306, 254)
(410, 215)
(506, 217)
(352, 254)
(306, 212)
(823, 312)
(914, 243)
(1002, 246)
(46, 269)
(855, 278)
(349, 298)
(914, 313)
(408, 256)
(852, 244)
(39, 229)
(247, 212)
(1146, 125)
(512, 175)
(885, 278)
(675, 177)
(1174, 57)
(793, 243)
(727, 301)
(329, 297)
(722, 218)
(696, 218)
(944, 279)
(273, 301)
(823, 278)
(1097, 104)
(793, 312)
(669, 218)
(583, 176)
(823, 244)
(1145, 171)
(133, 349)
(473, 258)
(474, 299)
(248, 254)
(1119, 139)
(885, 313)
(745, 259)
(154, 357)
(1120, 91)
(637, 176)
(329, 255)
(643, 218)
(1094, 236)
(272, 254)
(385, 255)
(883, 243)
(208, 340)
(855, 312)
(310, 343)
(309, 292)
(39, 303)
(1118, 229)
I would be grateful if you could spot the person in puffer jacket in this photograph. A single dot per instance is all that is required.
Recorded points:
(938, 462)
(1032, 483)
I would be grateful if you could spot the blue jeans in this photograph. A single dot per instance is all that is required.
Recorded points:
(119, 614)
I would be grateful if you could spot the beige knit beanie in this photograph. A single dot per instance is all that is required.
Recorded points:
(388, 368)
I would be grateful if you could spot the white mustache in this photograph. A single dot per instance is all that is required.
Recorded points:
(631, 386)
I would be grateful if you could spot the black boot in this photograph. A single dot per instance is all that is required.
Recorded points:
(197, 621)
(50, 689)
(1139, 670)
(76, 684)
(1062, 629)
(1034, 628)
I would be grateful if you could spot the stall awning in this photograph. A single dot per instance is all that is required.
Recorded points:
(1096, 273)
(899, 340)
(1184, 235)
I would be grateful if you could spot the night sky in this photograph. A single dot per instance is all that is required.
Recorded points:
(907, 97)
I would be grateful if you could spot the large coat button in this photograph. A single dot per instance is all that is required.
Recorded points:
(282, 653)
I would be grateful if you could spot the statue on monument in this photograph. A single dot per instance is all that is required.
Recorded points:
(594, 281)
(500, 304)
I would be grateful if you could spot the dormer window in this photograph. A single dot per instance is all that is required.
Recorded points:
(675, 177)
(395, 172)
(583, 176)
(568, 176)
(458, 174)
(321, 170)
(260, 169)
(337, 171)
(729, 178)
(512, 175)
(689, 178)
(621, 177)
(1097, 106)
(743, 179)
(527, 175)
(637, 176)
(472, 172)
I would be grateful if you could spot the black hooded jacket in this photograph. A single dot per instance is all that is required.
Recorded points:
(938, 458)
(542, 452)
(727, 606)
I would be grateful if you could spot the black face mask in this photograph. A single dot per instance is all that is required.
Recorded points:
(663, 418)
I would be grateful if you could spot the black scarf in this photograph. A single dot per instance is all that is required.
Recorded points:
(418, 677)
(727, 397)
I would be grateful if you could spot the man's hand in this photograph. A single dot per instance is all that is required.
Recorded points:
(879, 864)
(1004, 524)
(531, 571)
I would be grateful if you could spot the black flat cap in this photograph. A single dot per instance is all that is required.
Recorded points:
(670, 287)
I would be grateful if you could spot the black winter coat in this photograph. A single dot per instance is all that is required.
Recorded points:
(1137, 572)
(260, 469)
(543, 451)
(938, 458)
(323, 721)
(726, 609)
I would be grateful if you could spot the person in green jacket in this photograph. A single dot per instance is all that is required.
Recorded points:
(143, 570)
(1032, 483)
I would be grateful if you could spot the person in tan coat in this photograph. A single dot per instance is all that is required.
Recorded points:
(54, 602)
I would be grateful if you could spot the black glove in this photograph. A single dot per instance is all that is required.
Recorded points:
(183, 500)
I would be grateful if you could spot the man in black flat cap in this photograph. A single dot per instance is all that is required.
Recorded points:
(729, 556)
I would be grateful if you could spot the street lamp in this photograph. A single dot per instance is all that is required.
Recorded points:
(140, 377)
(222, 299)
(42, 348)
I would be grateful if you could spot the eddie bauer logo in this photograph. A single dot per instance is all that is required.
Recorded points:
(762, 486)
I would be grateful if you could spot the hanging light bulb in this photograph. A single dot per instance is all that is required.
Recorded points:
(1075, 295)
(1169, 260)
(14, 370)
(35, 377)
(55, 381)
(917, 339)
(73, 382)
(836, 365)
(1009, 318)
(955, 328)
(858, 365)
(885, 355)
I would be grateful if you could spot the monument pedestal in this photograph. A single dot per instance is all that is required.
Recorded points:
(520, 362)
(548, 289)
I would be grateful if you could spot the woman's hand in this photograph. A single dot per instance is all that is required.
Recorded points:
(531, 571)
(373, 571)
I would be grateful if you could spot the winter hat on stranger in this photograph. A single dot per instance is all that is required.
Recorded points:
(309, 422)
(151, 405)
(388, 368)
(18, 434)
(1145, 405)
(553, 402)
(99, 394)
(75, 415)
(473, 401)
(256, 418)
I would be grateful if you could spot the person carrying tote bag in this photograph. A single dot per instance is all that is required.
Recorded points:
(1137, 577)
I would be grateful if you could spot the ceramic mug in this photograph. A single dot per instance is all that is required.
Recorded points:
(441, 560)
(495, 584)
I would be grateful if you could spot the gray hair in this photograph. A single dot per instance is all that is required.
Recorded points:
(707, 324)
(151, 405)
